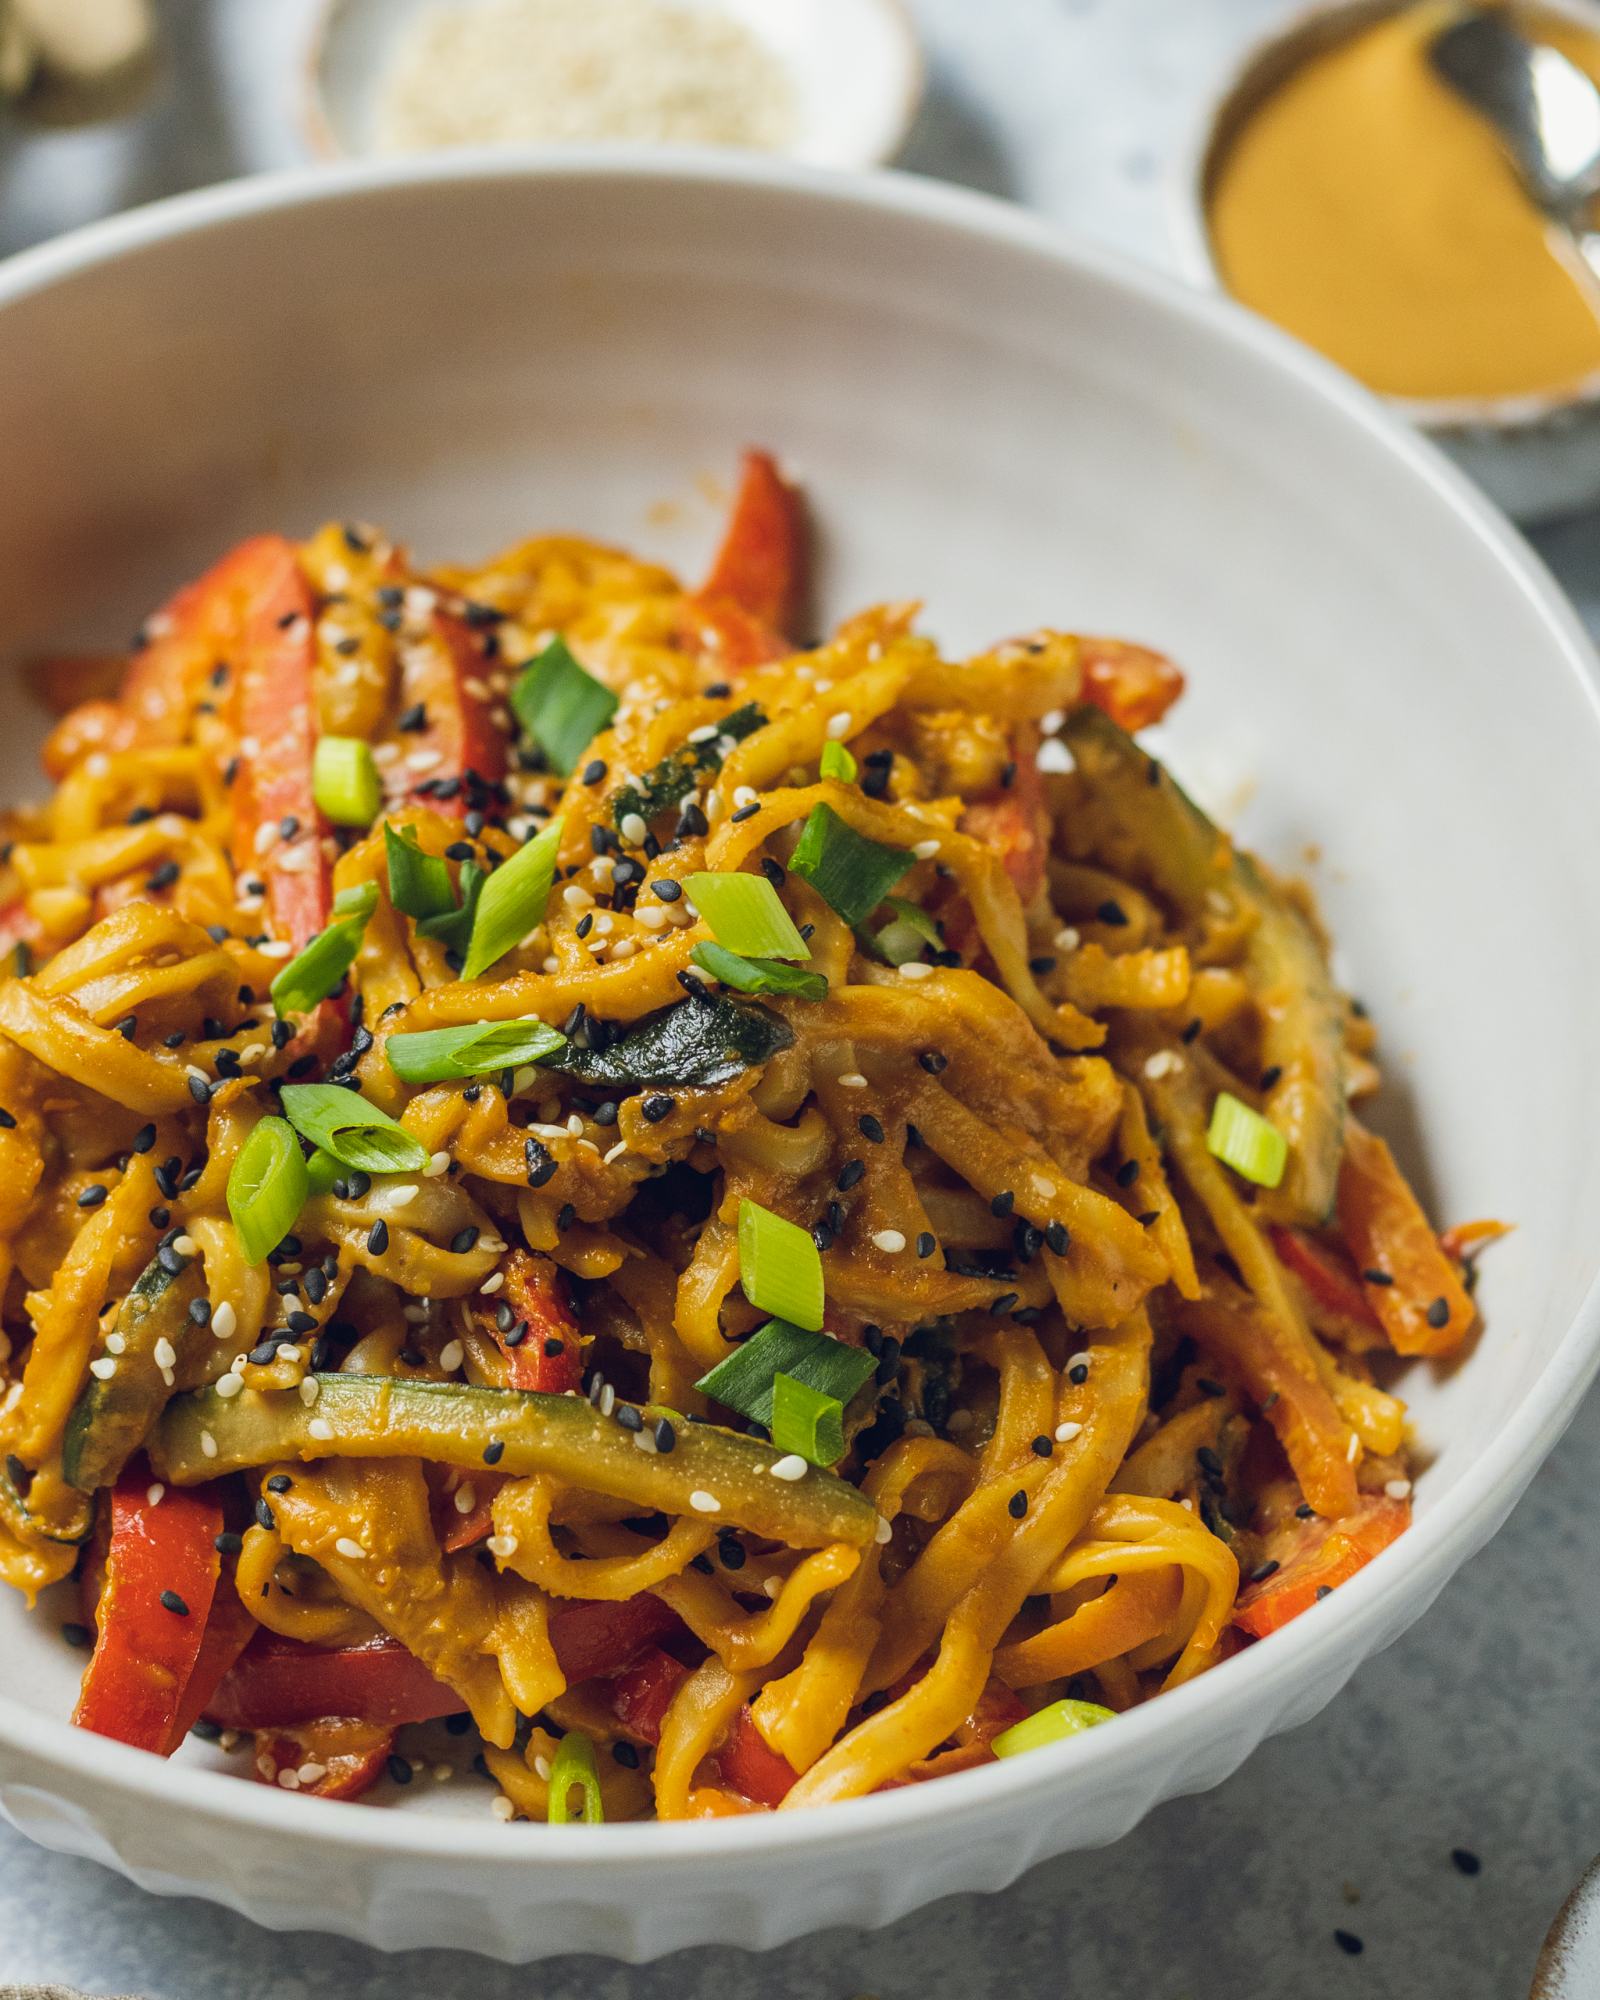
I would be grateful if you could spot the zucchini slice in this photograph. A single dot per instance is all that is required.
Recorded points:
(111, 1418)
(204, 1435)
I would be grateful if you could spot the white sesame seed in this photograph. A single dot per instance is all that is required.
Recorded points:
(1397, 1489)
(883, 1532)
(451, 1356)
(501, 1546)
(424, 760)
(320, 1429)
(252, 1052)
(502, 1808)
(115, 1343)
(541, 1769)
(608, 1400)
(1162, 1063)
(644, 1441)
(891, 1240)
(1065, 1433)
(791, 1466)
(417, 1313)
(1055, 757)
(852, 1079)
(350, 1549)
(164, 1353)
(841, 724)
(708, 1503)
(623, 948)
(153, 1493)
(275, 948)
(438, 1164)
(398, 1197)
(310, 1390)
(633, 829)
(925, 850)
(266, 836)
(493, 1282)
(224, 1321)
(574, 1126)
(745, 795)
(1078, 1360)
(1353, 1448)
(915, 969)
(103, 1368)
(616, 1152)
(208, 1445)
(466, 1497)
(310, 1773)
(289, 1779)
(290, 1352)
(704, 733)
(443, 1773)
(652, 917)
(229, 1385)
(1067, 939)
(1051, 721)
(577, 897)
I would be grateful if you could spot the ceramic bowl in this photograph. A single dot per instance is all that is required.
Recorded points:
(1021, 431)
(855, 67)
(1537, 455)
(1569, 1961)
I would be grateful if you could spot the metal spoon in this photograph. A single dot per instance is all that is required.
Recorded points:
(1544, 109)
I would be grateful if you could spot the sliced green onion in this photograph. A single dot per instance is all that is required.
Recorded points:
(322, 1170)
(266, 1187)
(561, 705)
(344, 781)
(806, 1421)
(837, 762)
(1052, 1724)
(512, 901)
(744, 1381)
(746, 916)
(849, 872)
(419, 884)
(1242, 1139)
(758, 975)
(903, 938)
(355, 1132)
(437, 1055)
(780, 1267)
(316, 970)
(573, 1768)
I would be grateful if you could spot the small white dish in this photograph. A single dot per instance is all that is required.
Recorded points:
(855, 67)
(1538, 455)
(1569, 1961)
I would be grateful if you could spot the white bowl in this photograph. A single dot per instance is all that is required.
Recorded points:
(855, 67)
(1024, 431)
(1536, 455)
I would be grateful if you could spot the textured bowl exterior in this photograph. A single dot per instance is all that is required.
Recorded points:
(1024, 430)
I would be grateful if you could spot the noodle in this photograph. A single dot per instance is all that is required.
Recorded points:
(460, 1404)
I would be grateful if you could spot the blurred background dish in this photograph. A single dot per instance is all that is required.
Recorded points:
(832, 82)
(1341, 188)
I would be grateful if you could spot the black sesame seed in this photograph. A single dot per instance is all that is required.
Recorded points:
(1044, 962)
(378, 1237)
(228, 1543)
(745, 812)
(1017, 1505)
(658, 1107)
(934, 1061)
(200, 1312)
(399, 1768)
(1465, 1860)
(1324, 1590)
(1127, 1174)
(199, 1090)
(77, 1635)
(1111, 912)
(7, 1122)
(1271, 1075)
(170, 1261)
(1378, 1277)
(1003, 1203)
(171, 1601)
(162, 877)
(1042, 1446)
(541, 1163)
(869, 1128)
(666, 1437)
(93, 1195)
(1078, 1375)
(265, 1516)
(414, 719)
(494, 1451)
(849, 1174)
(464, 1240)
(1349, 1943)
(1439, 1313)
(1056, 1238)
(926, 1244)
(128, 1027)
(1263, 1570)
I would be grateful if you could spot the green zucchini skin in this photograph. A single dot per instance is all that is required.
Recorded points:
(111, 1419)
(1157, 834)
(18, 1517)
(369, 1416)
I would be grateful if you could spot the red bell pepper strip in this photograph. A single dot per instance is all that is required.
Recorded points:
(161, 1577)
(1320, 1556)
(761, 564)
(446, 677)
(1014, 824)
(280, 1683)
(642, 1695)
(751, 1767)
(341, 1755)
(1425, 1308)
(1132, 684)
(275, 719)
(549, 1354)
(1327, 1274)
(997, 1708)
(17, 927)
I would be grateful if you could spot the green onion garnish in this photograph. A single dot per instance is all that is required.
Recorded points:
(561, 705)
(1242, 1139)
(572, 1768)
(837, 762)
(744, 1381)
(419, 884)
(316, 970)
(322, 1170)
(266, 1188)
(672, 780)
(355, 1132)
(902, 939)
(780, 1267)
(849, 872)
(344, 781)
(1051, 1724)
(437, 1055)
(759, 975)
(745, 915)
(513, 900)
(806, 1421)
